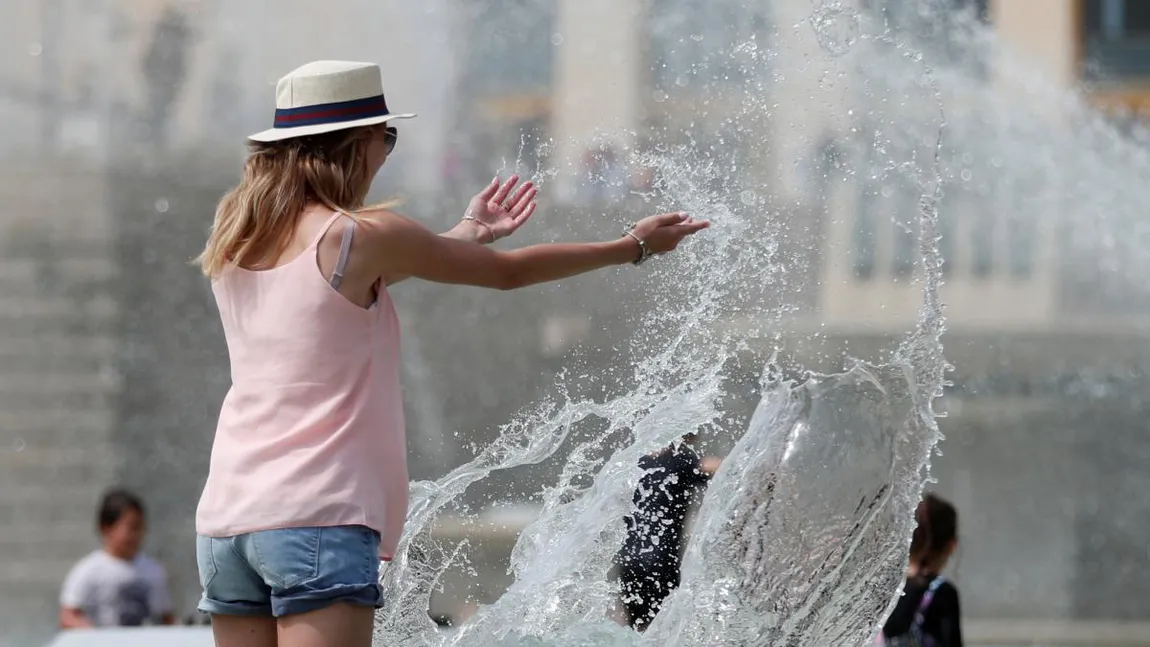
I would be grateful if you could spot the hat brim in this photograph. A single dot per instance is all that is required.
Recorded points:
(279, 134)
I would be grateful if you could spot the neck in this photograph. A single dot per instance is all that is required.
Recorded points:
(919, 568)
(119, 554)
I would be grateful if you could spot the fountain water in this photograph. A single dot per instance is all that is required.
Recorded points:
(801, 539)
(802, 536)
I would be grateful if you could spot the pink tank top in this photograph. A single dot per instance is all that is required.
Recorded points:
(311, 432)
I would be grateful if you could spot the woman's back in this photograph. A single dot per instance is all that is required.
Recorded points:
(314, 404)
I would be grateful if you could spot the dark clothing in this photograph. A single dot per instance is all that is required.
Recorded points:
(649, 560)
(941, 620)
(644, 589)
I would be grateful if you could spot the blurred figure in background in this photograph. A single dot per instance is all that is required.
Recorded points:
(650, 558)
(116, 585)
(928, 613)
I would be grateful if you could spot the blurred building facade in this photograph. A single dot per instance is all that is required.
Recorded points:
(91, 78)
(1048, 533)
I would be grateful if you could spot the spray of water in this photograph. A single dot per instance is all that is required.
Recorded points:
(801, 539)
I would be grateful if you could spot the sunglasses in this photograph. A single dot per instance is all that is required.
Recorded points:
(390, 137)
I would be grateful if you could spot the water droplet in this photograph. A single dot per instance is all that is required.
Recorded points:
(966, 175)
(19, 445)
(556, 39)
(162, 205)
(698, 38)
(836, 28)
(748, 198)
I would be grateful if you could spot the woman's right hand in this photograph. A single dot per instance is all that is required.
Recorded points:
(664, 232)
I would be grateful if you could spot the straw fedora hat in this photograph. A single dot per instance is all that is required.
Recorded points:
(326, 96)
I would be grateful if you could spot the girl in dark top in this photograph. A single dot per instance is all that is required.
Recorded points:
(928, 613)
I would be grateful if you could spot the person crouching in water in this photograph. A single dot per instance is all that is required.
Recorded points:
(650, 558)
(927, 614)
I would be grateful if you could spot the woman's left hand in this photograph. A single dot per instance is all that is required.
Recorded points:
(497, 214)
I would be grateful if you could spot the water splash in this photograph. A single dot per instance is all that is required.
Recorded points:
(802, 536)
(675, 392)
(836, 27)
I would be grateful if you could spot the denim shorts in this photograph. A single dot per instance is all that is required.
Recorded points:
(288, 571)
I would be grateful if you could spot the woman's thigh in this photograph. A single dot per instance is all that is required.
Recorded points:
(244, 631)
(343, 624)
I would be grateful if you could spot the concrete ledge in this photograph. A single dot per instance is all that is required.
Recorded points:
(1057, 633)
(985, 633)
(141, 637)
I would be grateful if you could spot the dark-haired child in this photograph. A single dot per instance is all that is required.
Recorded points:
(116, 585)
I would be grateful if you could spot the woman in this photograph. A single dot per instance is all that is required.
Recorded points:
(308, 482)
(117, 585)
(928, 612)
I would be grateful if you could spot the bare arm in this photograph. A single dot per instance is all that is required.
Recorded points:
(72, 618)
(405, 248)
(493, 213)
(74, 595)
(465, 231)
(468, 232)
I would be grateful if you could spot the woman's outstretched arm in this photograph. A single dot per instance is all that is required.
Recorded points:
(492, 214)
(403, 247)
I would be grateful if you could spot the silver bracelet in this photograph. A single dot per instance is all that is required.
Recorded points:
(644, 250)
(482, 224)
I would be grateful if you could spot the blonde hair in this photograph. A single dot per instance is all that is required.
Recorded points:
(255, 221)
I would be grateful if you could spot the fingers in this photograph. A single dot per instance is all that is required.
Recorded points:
(690, 226)
(522, 199)
(664, 232)
(681, 231)
(501, 194)
(522, 218)
(670, 218)
(489, 191)
(515, 200)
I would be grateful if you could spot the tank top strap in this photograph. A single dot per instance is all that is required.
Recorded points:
(323, 230)
(344, 249)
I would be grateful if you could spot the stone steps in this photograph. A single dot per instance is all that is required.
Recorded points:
(54, 425)
(38, 307)
(61, 382)
(44, 574)
(25, 463)
(52, 354)
(58, 385)
(72, 537)
(26, 266)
